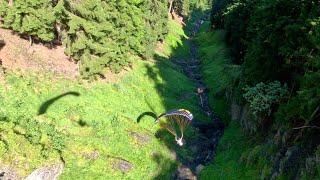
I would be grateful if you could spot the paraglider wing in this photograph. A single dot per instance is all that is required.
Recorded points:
(181, 118)
(177, 112)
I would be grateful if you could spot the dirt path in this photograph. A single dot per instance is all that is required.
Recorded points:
(203, 147)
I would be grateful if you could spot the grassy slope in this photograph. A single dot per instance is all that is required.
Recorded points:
(175, 40)
(227, 161)
(102, 120)
(219, 76)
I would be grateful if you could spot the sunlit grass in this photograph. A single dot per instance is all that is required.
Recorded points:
(101, 120)
(174, 39)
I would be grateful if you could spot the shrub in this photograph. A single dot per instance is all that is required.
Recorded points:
(263, 96)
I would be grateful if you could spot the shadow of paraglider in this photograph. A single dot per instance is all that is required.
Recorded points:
(44, 106)
(148, 113)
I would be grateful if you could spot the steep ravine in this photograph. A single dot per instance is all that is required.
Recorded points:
(204, 146)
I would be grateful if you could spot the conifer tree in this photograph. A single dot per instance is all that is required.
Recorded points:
(32, 17)
(99, 33)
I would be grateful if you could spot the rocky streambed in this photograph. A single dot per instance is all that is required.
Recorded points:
(203, 147)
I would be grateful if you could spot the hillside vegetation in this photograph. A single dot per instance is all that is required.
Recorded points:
(98, 129)
(259, 62)
(270, 79)
(97, 33)
(93, 126)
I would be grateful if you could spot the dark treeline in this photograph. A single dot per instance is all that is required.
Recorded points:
(276, 43)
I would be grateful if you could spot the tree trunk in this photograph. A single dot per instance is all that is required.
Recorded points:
(58, 31)
(30, 41)
(10, 3)
(170, 6)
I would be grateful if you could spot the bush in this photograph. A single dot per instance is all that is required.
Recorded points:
(263, 96)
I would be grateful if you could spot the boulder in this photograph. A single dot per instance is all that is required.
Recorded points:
(47, 173)
(6, 173)
(122, 165)
(199, 168)
(185, 173)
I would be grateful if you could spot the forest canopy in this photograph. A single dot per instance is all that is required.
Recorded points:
(98, 33)
(276, 43)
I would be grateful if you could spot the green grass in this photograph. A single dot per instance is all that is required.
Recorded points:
(174, 40)
(227, 161)
(102, 119)
(92, 132)
(218, 72)
(220, 76)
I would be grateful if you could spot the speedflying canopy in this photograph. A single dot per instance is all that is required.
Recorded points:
(175, 121)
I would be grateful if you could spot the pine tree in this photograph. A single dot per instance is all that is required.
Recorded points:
(99, 33)
(32, 17)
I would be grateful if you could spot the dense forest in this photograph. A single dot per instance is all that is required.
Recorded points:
(275, 45)
(259, 61)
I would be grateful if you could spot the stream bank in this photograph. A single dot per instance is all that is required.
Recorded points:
(203, 147)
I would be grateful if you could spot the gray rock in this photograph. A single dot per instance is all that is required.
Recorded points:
(6, 173)
(199, 168)
(122, 165)
(47, 173)
(92, 155)
(141, 138)
(185, 173)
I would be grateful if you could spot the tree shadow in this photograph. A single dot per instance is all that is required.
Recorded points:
(171, 87)
(166, 165)
(165, 86)
(44, 106)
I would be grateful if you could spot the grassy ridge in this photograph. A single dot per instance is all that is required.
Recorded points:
(220, 76)
(96, 129)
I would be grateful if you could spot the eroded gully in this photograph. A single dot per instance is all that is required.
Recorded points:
(203, 147)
